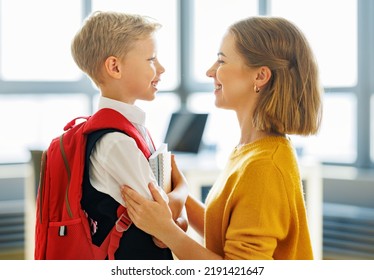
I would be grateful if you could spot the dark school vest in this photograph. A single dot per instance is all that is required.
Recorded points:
(101, 210)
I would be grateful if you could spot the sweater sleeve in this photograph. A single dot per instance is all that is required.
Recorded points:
(259, 213)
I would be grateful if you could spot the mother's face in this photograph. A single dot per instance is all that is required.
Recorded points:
(233, 79)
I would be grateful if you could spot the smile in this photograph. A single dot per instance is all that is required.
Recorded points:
(154, 83)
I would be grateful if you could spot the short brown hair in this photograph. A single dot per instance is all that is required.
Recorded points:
(105, 34)
(291, 102)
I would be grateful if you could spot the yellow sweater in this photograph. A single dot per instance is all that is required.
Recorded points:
(256, 208)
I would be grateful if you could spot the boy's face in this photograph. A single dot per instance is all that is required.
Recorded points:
(141, 70)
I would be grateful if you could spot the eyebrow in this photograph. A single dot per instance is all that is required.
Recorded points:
(221, 53)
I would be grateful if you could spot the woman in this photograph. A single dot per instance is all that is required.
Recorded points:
(267, 74)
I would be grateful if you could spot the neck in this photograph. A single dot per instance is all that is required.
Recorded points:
(247, 131)
(249, 134)
(114, 91)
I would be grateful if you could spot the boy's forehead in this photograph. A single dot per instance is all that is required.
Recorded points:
(149, 41)
(146, 45)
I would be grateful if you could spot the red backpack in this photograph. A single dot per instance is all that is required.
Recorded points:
(62, 230)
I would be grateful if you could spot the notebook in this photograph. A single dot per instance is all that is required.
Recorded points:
(160, 162)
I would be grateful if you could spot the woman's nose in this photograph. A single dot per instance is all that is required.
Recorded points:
(211, 71)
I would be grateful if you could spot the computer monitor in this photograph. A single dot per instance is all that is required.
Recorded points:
(185, 131)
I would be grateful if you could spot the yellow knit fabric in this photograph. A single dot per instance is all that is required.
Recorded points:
(256, 209)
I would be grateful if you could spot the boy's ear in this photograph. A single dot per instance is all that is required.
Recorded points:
(111, 67)
(263, 76)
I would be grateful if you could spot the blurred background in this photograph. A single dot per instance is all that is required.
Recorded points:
(41, 89)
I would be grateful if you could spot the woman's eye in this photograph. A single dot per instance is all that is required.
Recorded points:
(220, 61)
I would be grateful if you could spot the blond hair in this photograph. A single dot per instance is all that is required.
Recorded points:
(107, 34)
(291, 102)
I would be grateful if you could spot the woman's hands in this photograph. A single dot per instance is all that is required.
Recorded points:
(155, 218)
(148, 215)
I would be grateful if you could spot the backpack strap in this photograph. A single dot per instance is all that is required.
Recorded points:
(68, 171)
(43, 167)
(99, 120)
(122, 224)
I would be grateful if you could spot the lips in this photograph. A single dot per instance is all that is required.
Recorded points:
(217, 87)
(154, 83)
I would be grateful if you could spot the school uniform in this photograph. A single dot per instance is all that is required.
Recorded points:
(113, 159)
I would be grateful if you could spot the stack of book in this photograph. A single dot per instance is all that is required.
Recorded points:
(160, 162)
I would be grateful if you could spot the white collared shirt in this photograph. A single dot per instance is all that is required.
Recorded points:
(116, 159)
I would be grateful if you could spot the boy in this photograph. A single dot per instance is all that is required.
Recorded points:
(118, 52)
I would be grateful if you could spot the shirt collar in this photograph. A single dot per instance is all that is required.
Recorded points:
(133, 113)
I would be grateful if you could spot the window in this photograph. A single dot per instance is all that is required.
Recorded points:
(31, 121)
(40, 82)
(336, 141)
(35, 39)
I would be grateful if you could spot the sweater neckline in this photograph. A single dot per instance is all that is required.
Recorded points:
(268, 139)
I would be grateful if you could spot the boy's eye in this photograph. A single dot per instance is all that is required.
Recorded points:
(219, 61)
(152, 59)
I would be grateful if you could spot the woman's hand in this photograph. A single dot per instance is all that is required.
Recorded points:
(153, 217)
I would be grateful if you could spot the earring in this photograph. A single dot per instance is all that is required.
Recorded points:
(256, 89)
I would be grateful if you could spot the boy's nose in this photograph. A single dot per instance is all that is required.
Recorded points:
(161, 68)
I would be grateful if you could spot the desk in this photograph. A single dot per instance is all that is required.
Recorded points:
(202, 170)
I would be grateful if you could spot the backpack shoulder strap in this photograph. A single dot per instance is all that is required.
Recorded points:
(99, 121)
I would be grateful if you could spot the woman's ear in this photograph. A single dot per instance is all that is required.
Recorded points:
(112, 67)
(263, 76)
